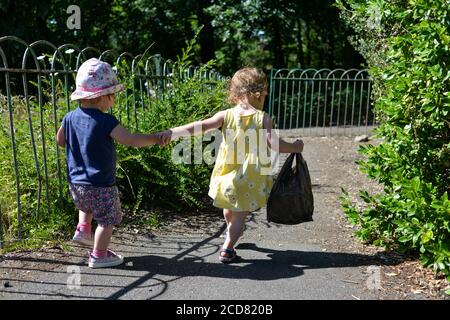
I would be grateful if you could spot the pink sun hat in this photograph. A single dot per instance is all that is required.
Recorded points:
(95, 78)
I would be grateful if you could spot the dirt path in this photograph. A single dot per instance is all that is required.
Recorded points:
(315, 260)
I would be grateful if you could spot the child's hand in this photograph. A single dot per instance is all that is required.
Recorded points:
(299, 145)
(164, 137)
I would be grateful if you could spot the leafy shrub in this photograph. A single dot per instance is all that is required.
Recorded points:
(150, 172)
(408, 50)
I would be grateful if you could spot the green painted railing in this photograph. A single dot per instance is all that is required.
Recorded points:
(326, 102)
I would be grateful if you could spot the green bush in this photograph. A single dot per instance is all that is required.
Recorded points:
(149, 174)
(407, 46)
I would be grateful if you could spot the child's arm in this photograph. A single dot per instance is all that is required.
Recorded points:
(123, 136)
(278, 144)
(60, 137)
(198, 127)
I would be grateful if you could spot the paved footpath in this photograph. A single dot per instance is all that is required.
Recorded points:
(273, 266)
(314, 260)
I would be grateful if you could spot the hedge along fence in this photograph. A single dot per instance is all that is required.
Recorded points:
(34, 97)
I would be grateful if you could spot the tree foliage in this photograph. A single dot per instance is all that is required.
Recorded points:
(281, 34)
(263, 33)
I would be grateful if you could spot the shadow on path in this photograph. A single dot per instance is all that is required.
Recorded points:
(276, 264)
(281, 264)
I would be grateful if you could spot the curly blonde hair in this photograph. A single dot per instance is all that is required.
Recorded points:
(246, 81)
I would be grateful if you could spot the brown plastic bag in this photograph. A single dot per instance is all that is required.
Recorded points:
(291, 199)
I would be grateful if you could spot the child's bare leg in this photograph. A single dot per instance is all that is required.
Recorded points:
(83, 232)
(235, 227)
(228, 215)
(102, 237)
(84, 222)
(101, 257)
(84, 217)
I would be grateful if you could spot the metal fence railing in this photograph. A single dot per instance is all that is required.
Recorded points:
(321, 102)
(36, 81)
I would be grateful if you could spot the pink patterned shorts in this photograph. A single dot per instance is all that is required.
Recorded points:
(102, 202)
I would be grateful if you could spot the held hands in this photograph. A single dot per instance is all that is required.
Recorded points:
(299, 145)
(163, 137)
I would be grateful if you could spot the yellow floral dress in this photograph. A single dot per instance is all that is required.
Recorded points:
(242, 179)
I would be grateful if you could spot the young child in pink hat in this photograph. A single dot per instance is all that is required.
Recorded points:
(88, 134)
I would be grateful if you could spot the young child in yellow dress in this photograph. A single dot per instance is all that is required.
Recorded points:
(241, 181)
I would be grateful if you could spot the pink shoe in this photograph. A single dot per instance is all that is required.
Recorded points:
(83, 238)
(111, 260)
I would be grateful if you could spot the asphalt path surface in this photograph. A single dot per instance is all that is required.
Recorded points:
(314, 260)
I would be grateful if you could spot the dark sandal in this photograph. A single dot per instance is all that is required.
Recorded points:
(230, 255)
